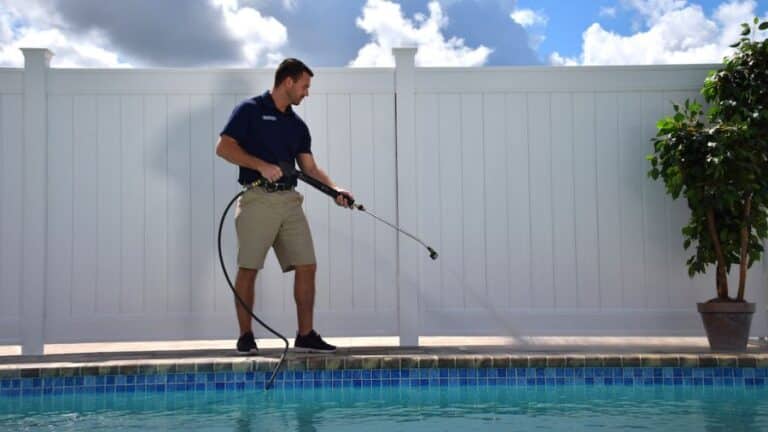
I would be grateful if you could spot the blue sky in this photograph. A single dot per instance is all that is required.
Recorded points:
(568, 20)
(248, 33)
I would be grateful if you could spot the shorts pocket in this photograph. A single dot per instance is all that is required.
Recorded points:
(250, 197)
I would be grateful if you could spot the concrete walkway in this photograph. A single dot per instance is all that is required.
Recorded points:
(136, 353)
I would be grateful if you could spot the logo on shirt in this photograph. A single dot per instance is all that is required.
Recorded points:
(269, 117)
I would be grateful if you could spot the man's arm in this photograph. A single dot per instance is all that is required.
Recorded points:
(228, 149)
(309, 167)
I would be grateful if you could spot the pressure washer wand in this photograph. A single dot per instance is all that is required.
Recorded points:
(290, 170)
(432, 252)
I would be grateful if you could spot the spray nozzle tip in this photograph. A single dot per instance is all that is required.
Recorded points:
(432, 253)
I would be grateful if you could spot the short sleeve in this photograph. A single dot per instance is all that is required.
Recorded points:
(306, 141)
(237, 125)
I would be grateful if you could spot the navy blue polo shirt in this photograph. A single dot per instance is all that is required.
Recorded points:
(265, 132)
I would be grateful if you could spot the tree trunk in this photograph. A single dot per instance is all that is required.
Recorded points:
(721, 278)
(745, 229)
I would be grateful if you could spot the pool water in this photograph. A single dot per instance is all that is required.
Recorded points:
(492, 408)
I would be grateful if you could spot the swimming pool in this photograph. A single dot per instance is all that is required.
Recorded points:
(547, 408)
(580, 398)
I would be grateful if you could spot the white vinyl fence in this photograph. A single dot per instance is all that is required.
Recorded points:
(529, 182)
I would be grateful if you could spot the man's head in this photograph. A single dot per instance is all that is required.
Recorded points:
(292, 78)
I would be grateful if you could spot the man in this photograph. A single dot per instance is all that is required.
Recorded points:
(262, 133)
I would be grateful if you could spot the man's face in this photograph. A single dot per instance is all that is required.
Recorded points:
(299, 89)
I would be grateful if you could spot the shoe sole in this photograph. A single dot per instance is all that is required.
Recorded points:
(312, 350)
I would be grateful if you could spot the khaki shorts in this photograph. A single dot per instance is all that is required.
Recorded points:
(272, 219)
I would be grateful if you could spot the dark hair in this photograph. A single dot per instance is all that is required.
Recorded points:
(291, 68)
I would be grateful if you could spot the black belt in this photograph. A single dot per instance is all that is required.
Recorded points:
(269, 186)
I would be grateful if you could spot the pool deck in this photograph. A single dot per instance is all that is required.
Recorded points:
(379, 353)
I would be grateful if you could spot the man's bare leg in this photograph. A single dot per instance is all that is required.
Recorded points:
(244, 286)
(304, 295)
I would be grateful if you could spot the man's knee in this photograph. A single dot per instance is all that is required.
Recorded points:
(306, 269)
(247, 274)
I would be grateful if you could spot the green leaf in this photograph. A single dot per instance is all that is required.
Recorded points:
(763, 26)
(664, 123)
(695, 106)
(736, 45)
(745, 30)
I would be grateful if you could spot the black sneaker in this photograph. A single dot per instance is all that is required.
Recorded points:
(247, 344)
(312, 342)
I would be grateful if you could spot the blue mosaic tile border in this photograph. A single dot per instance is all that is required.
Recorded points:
(366, 378)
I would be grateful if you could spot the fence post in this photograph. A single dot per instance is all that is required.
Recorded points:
(407, 205)
(35, 190)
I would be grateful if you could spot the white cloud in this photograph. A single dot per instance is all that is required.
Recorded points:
(675, 33)
(730, 16)
(384, 21)
(6, 30)
(32, 11)
(653, 10)
(26, 25)
(608, 12)
(261, 37)
(528, 17)
(555, 59)
(100, 35)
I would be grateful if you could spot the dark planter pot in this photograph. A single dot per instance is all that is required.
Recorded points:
(727, 324)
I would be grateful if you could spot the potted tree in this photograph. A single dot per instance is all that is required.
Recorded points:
(719, 162)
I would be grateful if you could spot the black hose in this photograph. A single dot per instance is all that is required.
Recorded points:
(290, 171)
(268, 385)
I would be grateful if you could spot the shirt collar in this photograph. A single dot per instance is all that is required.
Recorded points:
(270, 103)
